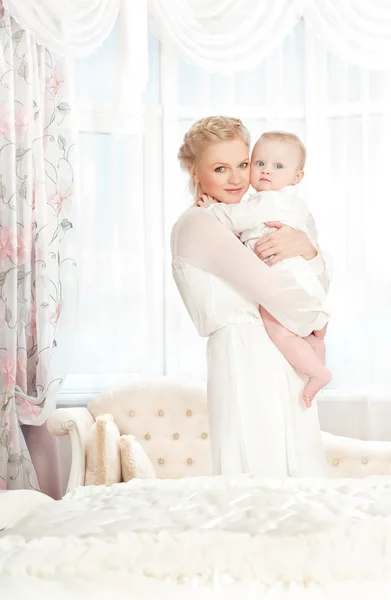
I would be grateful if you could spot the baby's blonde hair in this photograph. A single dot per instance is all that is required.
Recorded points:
(291, 138)
(209, 130)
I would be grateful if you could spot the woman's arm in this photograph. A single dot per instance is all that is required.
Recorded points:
(322, 267)
(202, 241)
(321, 264)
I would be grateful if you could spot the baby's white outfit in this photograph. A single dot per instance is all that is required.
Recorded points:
(287, 206)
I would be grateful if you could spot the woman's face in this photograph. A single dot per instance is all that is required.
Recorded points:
(223, 171)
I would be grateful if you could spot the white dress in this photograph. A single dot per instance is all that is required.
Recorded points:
(258, 422)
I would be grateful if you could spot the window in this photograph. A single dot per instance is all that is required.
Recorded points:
(131, 319)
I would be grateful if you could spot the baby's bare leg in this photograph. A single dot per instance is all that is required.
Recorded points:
(300, 353)
(318, 346)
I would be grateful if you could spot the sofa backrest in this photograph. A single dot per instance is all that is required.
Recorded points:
(168, 417)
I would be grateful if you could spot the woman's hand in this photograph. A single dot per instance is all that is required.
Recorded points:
(284, 243)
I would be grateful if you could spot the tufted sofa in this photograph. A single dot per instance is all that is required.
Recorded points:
(169, 418)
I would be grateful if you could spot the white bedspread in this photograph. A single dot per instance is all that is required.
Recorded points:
(204, 537)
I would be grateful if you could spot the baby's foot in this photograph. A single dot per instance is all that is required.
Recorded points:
(314, 385)
(204, 201)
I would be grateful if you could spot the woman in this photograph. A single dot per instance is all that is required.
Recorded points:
(258, 423)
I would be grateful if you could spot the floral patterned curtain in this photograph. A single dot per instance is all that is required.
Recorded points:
(37, 274)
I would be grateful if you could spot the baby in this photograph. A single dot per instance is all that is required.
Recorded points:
(277, 164)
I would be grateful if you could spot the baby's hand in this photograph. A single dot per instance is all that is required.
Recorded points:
(204, 201)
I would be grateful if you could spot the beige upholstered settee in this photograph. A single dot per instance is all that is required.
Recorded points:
(169, 418)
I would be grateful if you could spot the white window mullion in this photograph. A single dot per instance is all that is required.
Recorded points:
(204, 91)
(365, 210)
(229, 95)
(154, 242)
(311, 97)
(134, 217)
(169, 99)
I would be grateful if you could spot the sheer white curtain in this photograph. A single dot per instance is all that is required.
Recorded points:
(227, 35)
(120, 322)
(72, 28)
(348, 133)
(342, 112)
(131, 319)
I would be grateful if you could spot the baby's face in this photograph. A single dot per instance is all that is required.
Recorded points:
(274, 165)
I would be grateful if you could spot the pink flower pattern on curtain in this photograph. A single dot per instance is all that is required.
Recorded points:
(36, 271)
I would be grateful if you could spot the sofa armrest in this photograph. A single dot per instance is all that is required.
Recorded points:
(75, 422)
(348, 457)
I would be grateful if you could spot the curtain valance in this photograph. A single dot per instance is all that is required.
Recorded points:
(66, 27)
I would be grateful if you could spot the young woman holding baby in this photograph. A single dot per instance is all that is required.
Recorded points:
(258, 420)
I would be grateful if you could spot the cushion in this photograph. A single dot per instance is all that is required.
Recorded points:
(103, 461)
(169, 418)
(134, 460)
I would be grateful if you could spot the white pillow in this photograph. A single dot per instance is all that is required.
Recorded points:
(16, 504)
(134, 460)
(103, 461)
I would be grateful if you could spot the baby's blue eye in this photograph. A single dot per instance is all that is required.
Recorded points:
(279, 166)
(260, 163)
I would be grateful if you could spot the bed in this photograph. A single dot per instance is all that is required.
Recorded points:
(205, 538)
(189, 536)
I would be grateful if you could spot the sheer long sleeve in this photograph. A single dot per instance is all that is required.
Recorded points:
(323, 268)
(202, 241)
(322, 263)
(247, 215)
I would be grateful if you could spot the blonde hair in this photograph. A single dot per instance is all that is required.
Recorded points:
(290, 138)
(209, 130)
